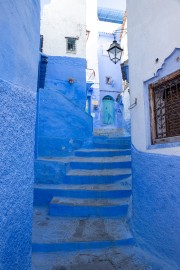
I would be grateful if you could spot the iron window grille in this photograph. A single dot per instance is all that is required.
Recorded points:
(164, 96)
(71, 45)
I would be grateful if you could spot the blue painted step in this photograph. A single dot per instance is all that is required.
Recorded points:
(65, 207)
(106, 145)
(114, 140)
(102, 152)
(43, 194)
(101, 163)
(77, 246)
(95, 176)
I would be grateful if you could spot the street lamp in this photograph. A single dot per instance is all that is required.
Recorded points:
(115, 52)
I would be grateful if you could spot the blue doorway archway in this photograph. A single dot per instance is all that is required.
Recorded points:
(108, 110)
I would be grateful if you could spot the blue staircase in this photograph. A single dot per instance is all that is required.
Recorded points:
(88, 208)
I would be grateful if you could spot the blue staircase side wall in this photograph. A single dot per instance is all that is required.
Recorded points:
(60, 70)
(19, 55)
(49, 172)
(156, 204)
(63, 125)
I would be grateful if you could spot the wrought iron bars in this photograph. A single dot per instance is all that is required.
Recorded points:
(165, 108)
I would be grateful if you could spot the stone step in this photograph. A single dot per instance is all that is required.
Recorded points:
(122, 257)
(71, 207)
(76, 246)
(43, 194)
(123, 145)
(102, 152)
(101, 163)
(112, 140)
(96, 176)
(60, 230)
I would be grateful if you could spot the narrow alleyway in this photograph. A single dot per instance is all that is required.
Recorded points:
(82, 223)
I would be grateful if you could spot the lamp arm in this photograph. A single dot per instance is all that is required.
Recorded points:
(133, 105)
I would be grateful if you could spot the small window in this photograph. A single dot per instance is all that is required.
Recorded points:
(165, 109)
(41, 43)
(108, 80)
(71, 45)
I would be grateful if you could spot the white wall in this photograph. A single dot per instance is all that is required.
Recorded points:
(153, 32)
(124, 42)
(92, 42)
(60, 19)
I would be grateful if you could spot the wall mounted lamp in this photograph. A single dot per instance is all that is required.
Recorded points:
(115, 52)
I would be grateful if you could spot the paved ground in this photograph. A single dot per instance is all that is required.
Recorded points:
(56, 229)
(126, 258)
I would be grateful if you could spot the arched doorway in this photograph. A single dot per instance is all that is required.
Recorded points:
(108, 110)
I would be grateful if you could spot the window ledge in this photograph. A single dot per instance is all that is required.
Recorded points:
(164, 145)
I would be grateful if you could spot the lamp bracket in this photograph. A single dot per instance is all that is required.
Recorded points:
(133, 105)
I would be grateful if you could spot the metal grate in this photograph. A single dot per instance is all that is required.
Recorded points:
(71, 45)
(165, 108)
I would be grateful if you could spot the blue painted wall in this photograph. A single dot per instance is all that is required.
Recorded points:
(63, 124)
(60, 69)
(108, 69)
(19, 29)
(156, 204)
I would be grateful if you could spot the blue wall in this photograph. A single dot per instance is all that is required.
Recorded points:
(60, 69)
(108, 69)
(63, 124)
(156, 204)
(19, 27)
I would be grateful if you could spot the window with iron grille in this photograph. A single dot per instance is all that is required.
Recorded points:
(164, 98)
(71, 45)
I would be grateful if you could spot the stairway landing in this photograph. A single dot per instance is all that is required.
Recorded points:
(82, 221)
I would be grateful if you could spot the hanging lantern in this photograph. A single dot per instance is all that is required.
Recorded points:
(115, 52)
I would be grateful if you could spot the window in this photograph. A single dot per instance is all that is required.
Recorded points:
(108, 80)
(41, 43)
(71, 45)
(125, 71)
(165, 109)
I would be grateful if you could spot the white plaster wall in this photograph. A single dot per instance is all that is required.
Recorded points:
(92, 42)
(124, 42)
(153, 32)
(114, 4)
(60, 19)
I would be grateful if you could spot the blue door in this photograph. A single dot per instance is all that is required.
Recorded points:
(108, 110)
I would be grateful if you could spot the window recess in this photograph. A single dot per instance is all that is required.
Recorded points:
(164, 97)
(71, 44)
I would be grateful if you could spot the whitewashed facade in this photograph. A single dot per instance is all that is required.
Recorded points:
(61, 19)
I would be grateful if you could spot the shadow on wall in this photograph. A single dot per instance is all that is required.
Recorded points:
(156, 201)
